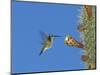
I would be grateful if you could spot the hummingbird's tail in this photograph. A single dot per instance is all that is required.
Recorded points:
(41, 52)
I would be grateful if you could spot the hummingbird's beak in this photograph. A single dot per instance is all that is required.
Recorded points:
(56, 36)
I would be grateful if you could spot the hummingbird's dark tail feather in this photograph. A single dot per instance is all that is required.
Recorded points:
(41, 52)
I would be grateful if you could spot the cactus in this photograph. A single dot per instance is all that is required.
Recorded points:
(87, 29)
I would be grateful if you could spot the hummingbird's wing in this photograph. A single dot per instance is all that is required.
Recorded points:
(44, 36)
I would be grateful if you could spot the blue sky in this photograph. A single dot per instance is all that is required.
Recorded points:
(27, 20)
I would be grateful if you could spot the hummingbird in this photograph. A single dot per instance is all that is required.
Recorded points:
(47, 42)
